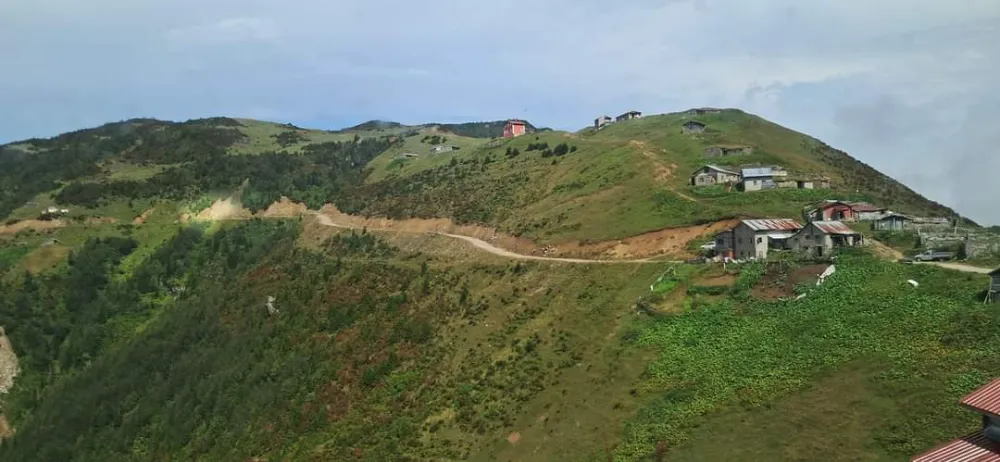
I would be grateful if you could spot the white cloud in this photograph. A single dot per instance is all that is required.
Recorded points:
(229, 30)
(894, 82)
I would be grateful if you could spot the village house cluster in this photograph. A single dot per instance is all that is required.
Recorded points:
(753, 178)
(53, 212)
(750, 178)
(606, 120)
(753, 239)
(826, 229)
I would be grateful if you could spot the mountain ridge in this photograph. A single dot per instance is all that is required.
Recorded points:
(491, 183)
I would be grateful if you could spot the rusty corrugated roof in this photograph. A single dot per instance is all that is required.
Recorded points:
(972, 448)
(773, 224)
(834, 227)
(985, 399)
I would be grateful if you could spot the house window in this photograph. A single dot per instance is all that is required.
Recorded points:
(718, 242)
(760, 240)
(740, 240)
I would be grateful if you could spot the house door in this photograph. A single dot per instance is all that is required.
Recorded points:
(819, 251)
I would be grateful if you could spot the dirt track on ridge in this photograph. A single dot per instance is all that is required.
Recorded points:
(668, 243)
(486, 246)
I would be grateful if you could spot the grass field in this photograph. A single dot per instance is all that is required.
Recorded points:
(264, 136)
(872, 361)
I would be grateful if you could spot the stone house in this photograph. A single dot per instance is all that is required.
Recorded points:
(441, 148)
(711, 174)
(932, 223)
(820, 238)
(752, 239)
(758, 178)
(892, 222)
(723, 151)
(628, 116)
(724, 243)
(692, 127)
(601, 121)
(981, 244)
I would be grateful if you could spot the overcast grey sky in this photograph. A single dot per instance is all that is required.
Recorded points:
(907, 86)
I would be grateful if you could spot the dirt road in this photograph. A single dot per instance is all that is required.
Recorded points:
(959, 267)
(486, 246)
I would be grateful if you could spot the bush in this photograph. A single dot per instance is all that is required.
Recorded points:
(537, 146)
(707, 290)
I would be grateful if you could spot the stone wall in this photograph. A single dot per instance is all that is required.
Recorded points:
(979, 245)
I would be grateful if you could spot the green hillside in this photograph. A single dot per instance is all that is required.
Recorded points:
(629, 178)
(145, 328)
(376, 352)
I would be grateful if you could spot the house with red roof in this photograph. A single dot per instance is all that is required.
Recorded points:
(833, 210)
(982, 445)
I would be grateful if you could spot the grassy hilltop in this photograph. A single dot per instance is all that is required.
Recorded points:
(143, 330)
(624, 180)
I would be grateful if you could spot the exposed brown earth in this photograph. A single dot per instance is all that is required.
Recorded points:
(663, 243)
(37, 225)
(142, 218)
(778, 283)
(45, 257)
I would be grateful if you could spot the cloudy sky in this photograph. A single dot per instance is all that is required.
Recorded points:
(908, 86)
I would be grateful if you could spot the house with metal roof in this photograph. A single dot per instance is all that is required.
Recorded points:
(713, 174)
(835, 210)
(820, 238)
(892, 221)
(752, 239)
(984, 444)
(758, 178)
(628, 116)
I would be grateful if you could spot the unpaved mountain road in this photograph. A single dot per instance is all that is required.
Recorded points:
(959, 267)
(486, 246)
(325, 220)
